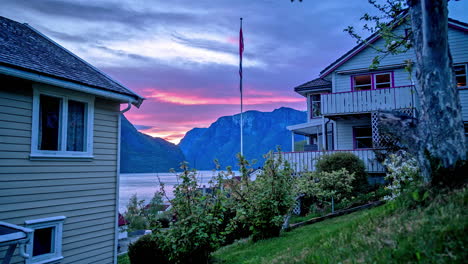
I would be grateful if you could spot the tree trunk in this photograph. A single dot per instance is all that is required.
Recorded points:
(440, 125)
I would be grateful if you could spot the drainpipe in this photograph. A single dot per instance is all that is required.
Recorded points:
(117, 186)
(129, 105)
(326, 134)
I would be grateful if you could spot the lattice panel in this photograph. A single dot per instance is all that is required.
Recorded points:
(297, 207)
(381, 141)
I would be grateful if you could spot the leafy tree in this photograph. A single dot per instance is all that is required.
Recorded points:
(264, 204)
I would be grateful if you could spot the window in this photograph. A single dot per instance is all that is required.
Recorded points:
(363, 82)
(315, 105)
(460, 75)
(362, 137)
(382, 80)
(372, 81)
(45, 245)
(62, 124)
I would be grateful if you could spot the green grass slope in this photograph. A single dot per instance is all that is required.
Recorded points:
(433, 232)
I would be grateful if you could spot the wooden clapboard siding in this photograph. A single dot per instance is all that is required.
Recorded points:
(344, 131)
(82, 190)
(464, 103)
(362, 60)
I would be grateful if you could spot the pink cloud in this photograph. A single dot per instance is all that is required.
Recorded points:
(257, 98)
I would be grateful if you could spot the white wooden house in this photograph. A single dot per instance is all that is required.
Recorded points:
(343, 101)
(59, 152)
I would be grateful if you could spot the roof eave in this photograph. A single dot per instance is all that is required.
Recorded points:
(330, 68)
(40, 78)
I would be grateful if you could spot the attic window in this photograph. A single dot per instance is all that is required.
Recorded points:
(62, 124)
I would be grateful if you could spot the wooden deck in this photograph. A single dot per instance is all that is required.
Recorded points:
(306, 160)
(368, 100)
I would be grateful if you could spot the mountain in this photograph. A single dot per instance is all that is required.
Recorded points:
(263, 131)
(142, 153)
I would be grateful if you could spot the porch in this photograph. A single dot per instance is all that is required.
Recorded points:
(366, 101)
(306, 160)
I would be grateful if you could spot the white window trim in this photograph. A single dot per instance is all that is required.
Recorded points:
(57, 223)
(65, 95)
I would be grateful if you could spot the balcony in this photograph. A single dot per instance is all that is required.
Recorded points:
(306, 160)
(367, 100)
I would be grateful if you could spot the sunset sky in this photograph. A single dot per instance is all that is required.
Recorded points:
(182, 55)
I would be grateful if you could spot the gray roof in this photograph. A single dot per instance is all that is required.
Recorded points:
(24, 48)
(318, 84)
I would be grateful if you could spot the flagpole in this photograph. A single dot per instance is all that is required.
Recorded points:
(241, 49)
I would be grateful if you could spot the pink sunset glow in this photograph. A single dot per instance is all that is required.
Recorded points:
(255, 98)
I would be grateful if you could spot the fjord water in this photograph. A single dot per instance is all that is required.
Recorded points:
(146, 184)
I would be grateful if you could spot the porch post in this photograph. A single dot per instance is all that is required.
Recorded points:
(292, 141)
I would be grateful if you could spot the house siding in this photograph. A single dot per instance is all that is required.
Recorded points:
(464, 103)
(83, 191)
(458, 47)
(344, 131)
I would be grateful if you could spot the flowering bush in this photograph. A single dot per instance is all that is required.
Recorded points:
(402, 172)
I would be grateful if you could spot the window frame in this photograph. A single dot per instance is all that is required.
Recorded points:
(466, 74)
(54, 222)
(65, 96)
(373, 80)
(311, 102)
(355, 145)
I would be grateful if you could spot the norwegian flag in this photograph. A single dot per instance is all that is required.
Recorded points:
(241, 50)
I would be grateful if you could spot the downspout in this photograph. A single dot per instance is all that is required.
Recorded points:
(117, 186)
(326, 134)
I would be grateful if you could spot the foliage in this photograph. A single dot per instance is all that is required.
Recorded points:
(147, 249)
(352, 163)
(198, 229)
(390, 16)
(123, 259)
(325, 185)
(402, 173)
(143, 216)
(264, 203)
(135, 214)
(434, 232)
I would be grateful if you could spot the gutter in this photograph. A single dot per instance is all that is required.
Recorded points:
(36, 77)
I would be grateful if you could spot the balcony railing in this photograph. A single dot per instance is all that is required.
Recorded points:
(368, 100)
(307, 160)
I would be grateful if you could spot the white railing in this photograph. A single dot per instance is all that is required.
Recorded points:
(368, 100)
(306, 160)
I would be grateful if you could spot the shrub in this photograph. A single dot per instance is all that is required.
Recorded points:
(198, 230)
(324, 185)
(264, 203)
(403, 172)
(352, 163)
(135, 214)
(148, 249)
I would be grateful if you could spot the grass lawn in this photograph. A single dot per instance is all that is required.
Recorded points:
(435, 232)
